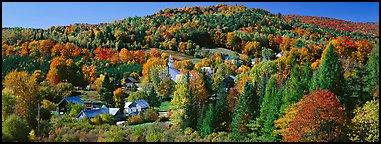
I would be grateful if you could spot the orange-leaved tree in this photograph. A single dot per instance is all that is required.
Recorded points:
(318, 117)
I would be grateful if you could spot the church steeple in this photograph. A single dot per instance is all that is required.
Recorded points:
(170, 61)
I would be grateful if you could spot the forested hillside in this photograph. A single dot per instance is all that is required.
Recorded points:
(366, 28)
(273, 78)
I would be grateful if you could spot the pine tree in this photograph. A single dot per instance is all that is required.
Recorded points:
(153, 99)
(306, 77)
(190, 112)
(200, 118)
(262, 88)
(241, 115)
(329, 75)
(293, 92)
(270, 108)
(208, 122)
(250, 91)
(106, 91)
(222, 111)
(372, 77)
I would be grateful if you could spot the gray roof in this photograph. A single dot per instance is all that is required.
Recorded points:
(141, 103)
(173, 72)
(95, 112)
(72, 99)
(233, 77)
(131, 79)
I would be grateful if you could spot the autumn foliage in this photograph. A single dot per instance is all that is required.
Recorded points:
(318, 117)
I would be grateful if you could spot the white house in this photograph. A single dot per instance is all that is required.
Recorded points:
(132, 108)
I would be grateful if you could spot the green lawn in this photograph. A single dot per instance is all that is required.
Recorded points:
(195, 60)
(148, 124)
(221, 50)
(165, 106)
(92, 96)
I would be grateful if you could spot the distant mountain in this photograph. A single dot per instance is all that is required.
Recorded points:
(341, 25)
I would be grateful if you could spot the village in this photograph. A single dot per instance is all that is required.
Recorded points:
(189, 72)
(132, 108)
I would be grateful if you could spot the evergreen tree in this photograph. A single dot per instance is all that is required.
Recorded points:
(250, 91)
(329, 75)
(153, 99)
(208, 122)
(208, 83)
(372, 76)
(293, 91)
(270, 108)
(241, 116)
(106, 91)
(200, 118)
(222, 111)
(306, 77)
(356, 88)
(190, 112)
(262, 88)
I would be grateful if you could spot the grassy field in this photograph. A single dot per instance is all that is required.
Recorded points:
(92, 96)
(220, 50)
(148, 124)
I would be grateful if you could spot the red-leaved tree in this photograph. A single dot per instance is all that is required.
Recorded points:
(319, 117)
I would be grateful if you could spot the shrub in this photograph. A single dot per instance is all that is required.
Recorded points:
(137, 119)
(107, 119)
(150, 115)
(15, 129)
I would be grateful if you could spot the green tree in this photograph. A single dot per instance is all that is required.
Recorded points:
(153, 99)
(329, 75)
(270, 108)
(8, 101)
(208, 122)
(190, 113)
(201, 118)
(372, 76)
(75, 109)
(63, 90)
(222, 111)
(137, 96)
(15, 129)
(306, 77)
(106, 91)
(107, 119)
(241, 115)
(166, 85)
(293, 92)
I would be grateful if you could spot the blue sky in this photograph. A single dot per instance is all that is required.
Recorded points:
(46, 14)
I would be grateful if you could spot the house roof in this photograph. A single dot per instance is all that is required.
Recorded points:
(141, 103)
(232, 77)
(279, 55)
(127, 104)
(73, 99)
(173, 72)
(208, 69)
(94, 112)
(131, 79)
(113, 111)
